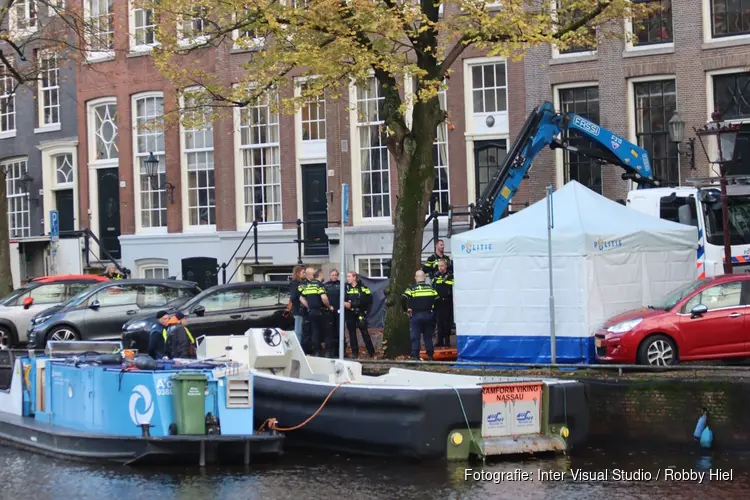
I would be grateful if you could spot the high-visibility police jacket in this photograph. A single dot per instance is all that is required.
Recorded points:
(432, 266)
(443, 285)
(360, 298)
(313, 293)
(419, 297)
(190, 335)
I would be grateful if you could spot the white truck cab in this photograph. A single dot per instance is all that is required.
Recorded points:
(700, 206)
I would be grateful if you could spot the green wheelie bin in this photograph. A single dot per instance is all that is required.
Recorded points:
(189, 402)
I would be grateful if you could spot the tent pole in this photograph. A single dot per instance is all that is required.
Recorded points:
(550, 225)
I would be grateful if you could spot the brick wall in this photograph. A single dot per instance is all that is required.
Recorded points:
(665, 412)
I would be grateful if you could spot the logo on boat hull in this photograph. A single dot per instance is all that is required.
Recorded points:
(138, 418)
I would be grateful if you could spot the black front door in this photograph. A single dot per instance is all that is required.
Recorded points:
(201, 270)
(315, 209)
(488, 156)
(109, 210)
(64, 204)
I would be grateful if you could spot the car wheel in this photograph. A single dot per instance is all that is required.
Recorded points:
(7, 339)
(63, 334)
(658, 350)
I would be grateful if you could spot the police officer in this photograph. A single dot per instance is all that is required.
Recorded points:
(443, 285)
(294, 293)
(357, 303)
(333, 290)
(419, 301)
(430, 267)
(113, 274)
(306, 328)
(314, 299)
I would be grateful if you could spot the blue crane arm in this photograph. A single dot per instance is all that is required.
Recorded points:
(544, 128)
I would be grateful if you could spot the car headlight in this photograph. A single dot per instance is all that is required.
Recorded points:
(138, 325)
(39, 320)
(625, 326)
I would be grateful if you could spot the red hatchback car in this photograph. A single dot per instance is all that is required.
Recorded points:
(705, 319)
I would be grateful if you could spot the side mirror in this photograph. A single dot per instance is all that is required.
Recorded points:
(698, 311)
(95, 305)
(199, 311)
(28, 302)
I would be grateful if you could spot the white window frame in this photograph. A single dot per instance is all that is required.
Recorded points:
(25, 230)
(710, 101)
(320, 103)
(358, 217)
(585, 54)
(7, 82)
(17, 32)
(91, 128)
(50, 152)
(137, 167)
(641, 50)
(185, 173)
(99, 55)
(723, 41)
(242, 224)
(186, 39)
(144, 265)
(378, 257)
(559, 153)
(135, 47)
(43, 90)
(256, 44)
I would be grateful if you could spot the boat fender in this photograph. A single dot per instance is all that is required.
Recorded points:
(707, 437)
(702, 423)
(109, 359)
(145, 363)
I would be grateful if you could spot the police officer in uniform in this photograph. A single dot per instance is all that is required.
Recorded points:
(419, 301)
(306, 328)
(113, 274)
(430, 267)
(314, 299)
(443, 285)
(333, 291)
(357, 302)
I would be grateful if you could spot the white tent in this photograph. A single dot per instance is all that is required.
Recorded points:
(607, 259)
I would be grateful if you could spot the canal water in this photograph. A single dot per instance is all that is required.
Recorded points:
(324, 477)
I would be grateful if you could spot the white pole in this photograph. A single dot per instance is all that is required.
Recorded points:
(550, 225)
(342, 270)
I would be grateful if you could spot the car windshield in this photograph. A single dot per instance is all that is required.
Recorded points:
(739, 221)
(673, 297)
(16, 293)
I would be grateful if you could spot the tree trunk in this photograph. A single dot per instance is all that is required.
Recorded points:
(6, 280)
(416, 170)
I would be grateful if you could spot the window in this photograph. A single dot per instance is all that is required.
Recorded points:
(150, 138)
(159, 295)
(656, 26)
(74, 289)
(7, 100)
(144, 29)
(105, 131)
(246, 37)
(730, 18)
(441, 187)
(195, 26)
(63, 170)
(199, 157)
(680, 210)
(732, 95)
(655, 103)
(314, 120)
(263, 297)
(225, 300)
(49, 89)
(23, 16)
(155, 273)
(116, 296)
(567, 15)
(583, 101)
(100, 18)
(299, 4)
(489, 88)
(717, 297)
(48, 294)
(373, 151)
(259, 147)
(18, 198)
(374, 267)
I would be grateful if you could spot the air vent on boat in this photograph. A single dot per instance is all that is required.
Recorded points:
(239, 394)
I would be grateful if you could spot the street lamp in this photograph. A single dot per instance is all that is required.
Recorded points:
(152, 172)
(676, 127)
(718, 141)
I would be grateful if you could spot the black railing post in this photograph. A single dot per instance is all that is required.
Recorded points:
(299, 241)
(87, 248)
(255, 240)
(224, 273)
(435, 230)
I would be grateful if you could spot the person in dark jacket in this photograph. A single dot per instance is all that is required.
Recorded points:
(419, 302)
(307, 333)
(294, 294)
(157, 340)
(315, 300)
(333, 291)
(357, 303)
(430, 267)
(113, 274)
(181, 341)
(443, 285)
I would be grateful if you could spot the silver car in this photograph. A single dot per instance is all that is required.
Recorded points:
(17, 309)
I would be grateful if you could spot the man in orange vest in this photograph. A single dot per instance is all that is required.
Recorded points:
(181, 342)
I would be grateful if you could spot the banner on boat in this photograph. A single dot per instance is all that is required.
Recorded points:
(511, 409)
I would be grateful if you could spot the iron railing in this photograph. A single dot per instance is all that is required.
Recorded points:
(88, 236)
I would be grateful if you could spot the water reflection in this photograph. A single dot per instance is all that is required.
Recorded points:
(306, 477)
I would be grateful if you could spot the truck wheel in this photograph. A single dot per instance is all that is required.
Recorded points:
(7, 339)
(658, 350)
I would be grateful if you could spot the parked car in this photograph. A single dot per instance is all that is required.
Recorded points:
(223, 310)
(39, 294)
(705, 319)
(100, 312)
